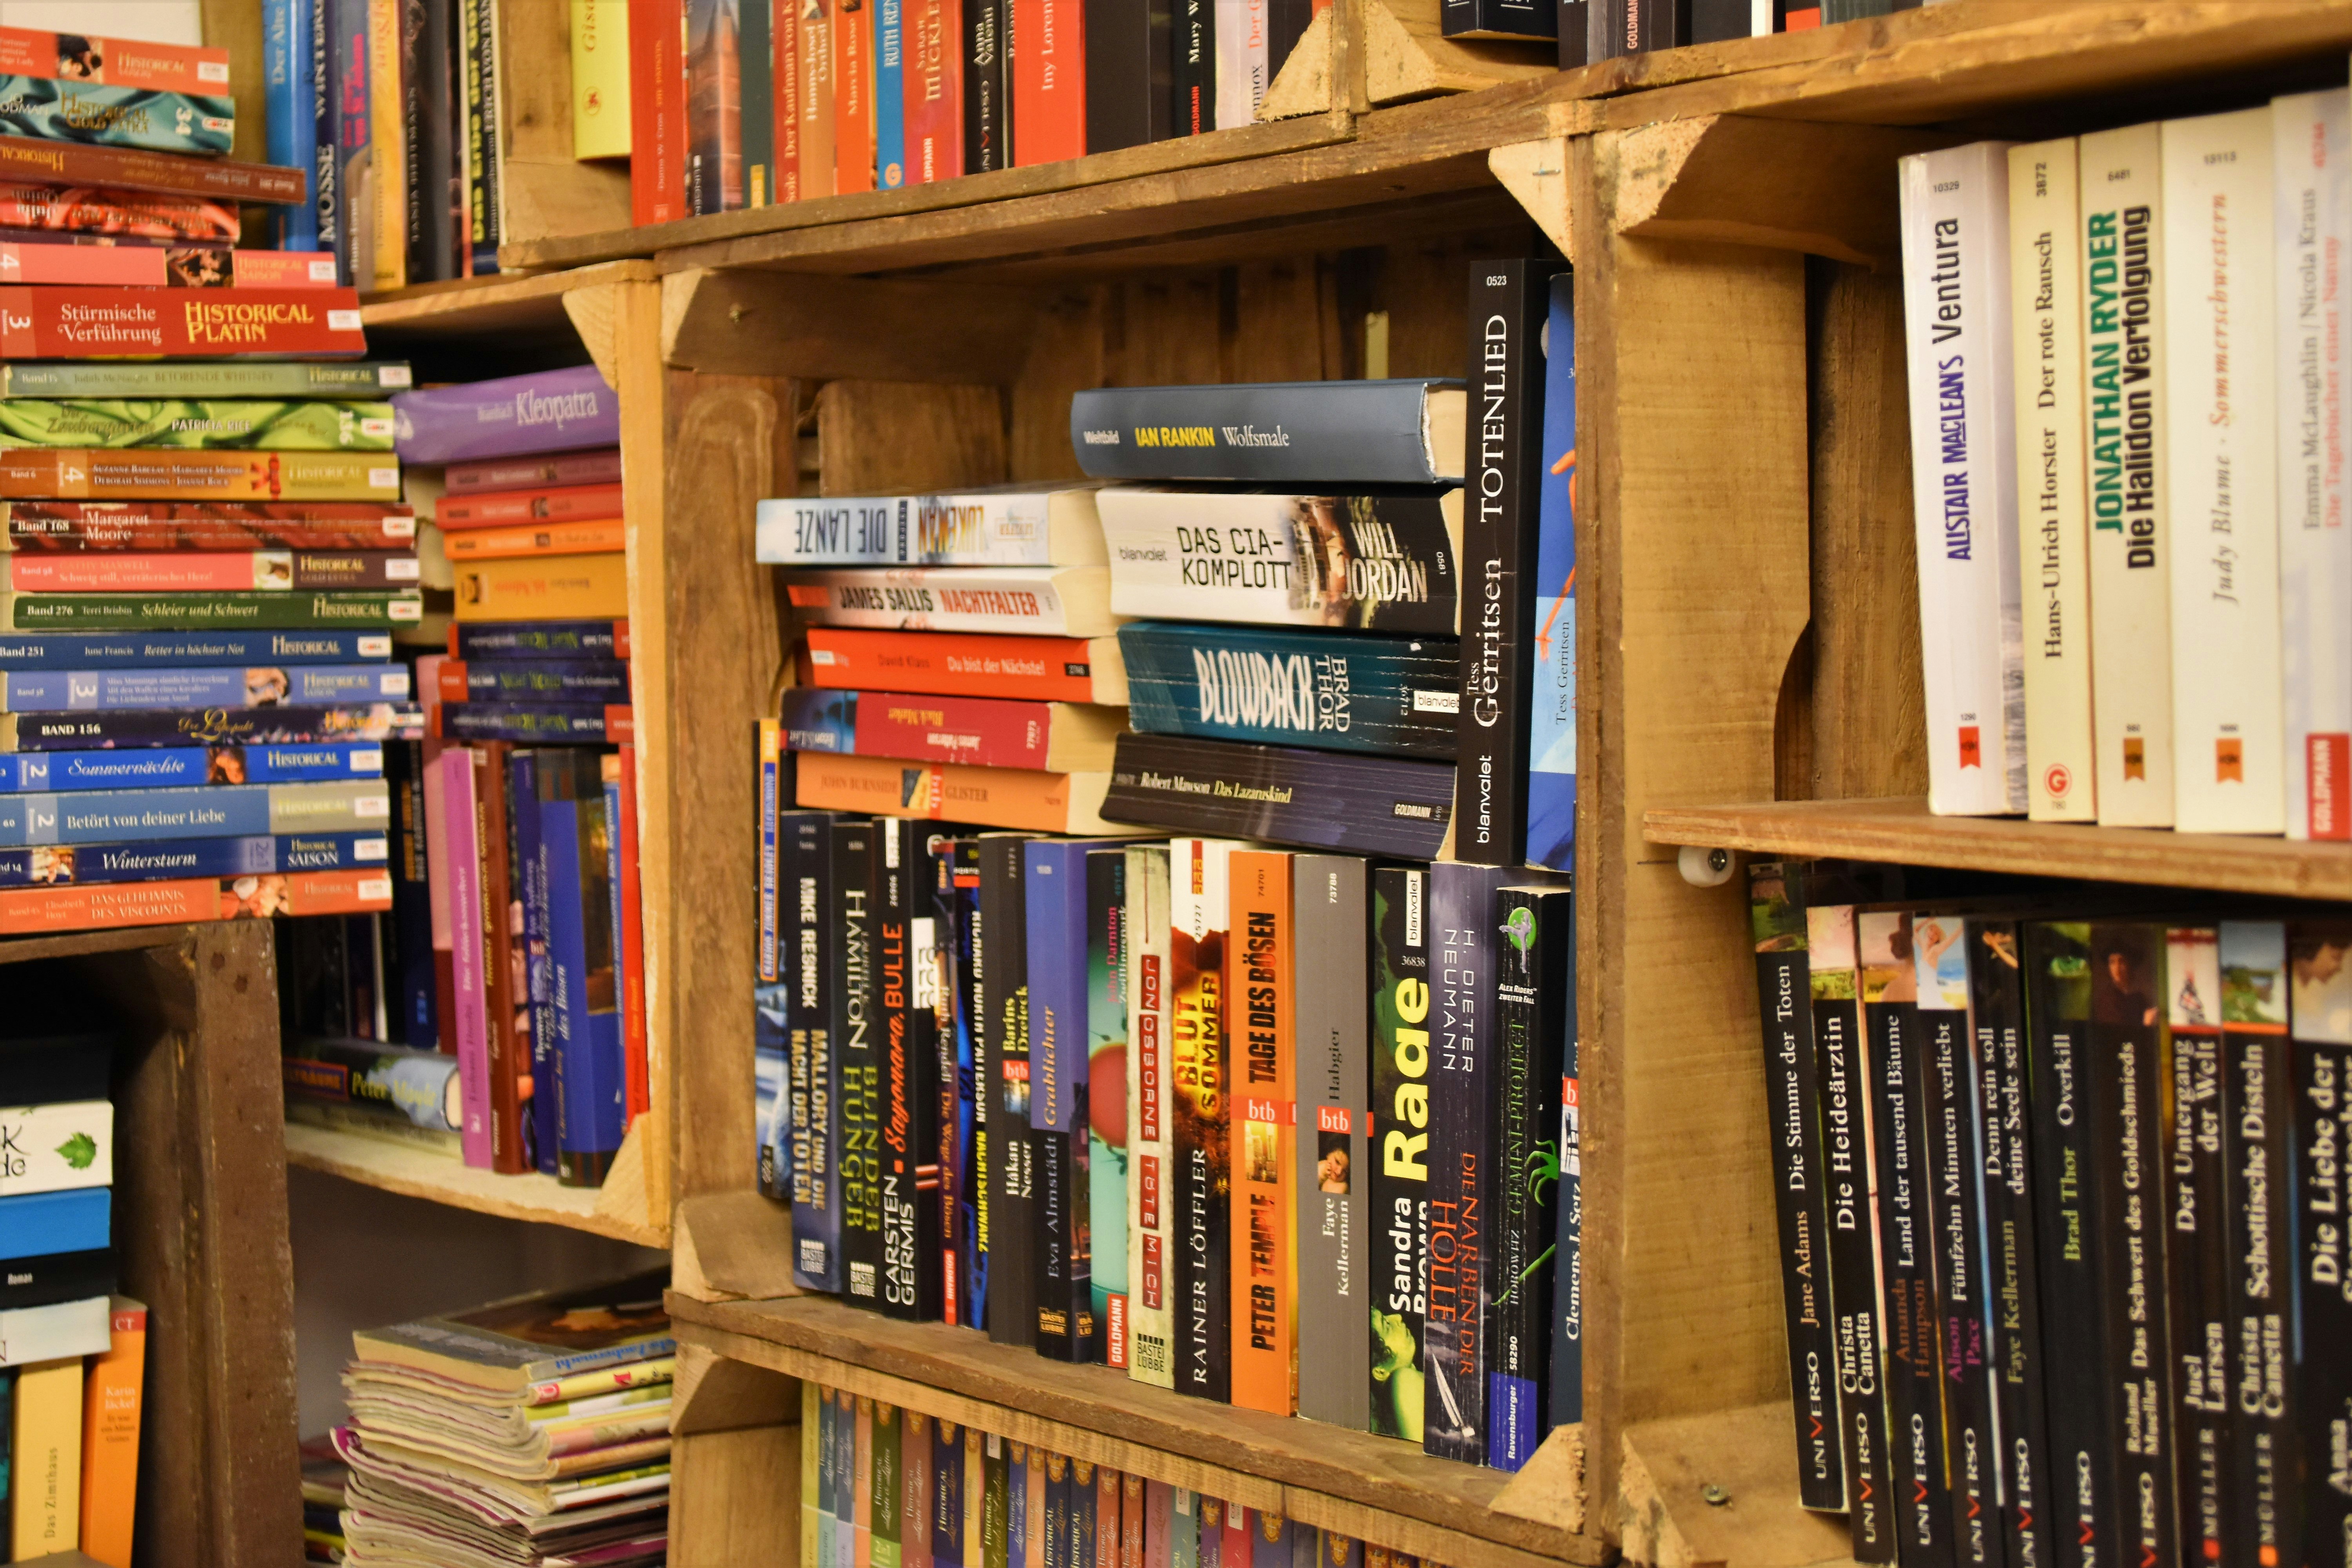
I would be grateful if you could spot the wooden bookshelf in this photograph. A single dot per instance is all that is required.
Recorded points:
(617, 1209)
(1902, 832)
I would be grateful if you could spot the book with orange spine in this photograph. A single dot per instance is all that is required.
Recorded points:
(985, 797)
(853, 97)
(566, 503)
(79, 473)
(112, 1394)
(553, 588)
(594, 538)
(1261, 1024)
(107, 906)
(109, 323)
(959, 664)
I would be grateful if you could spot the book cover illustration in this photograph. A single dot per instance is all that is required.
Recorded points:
(109, 114)
(1109, 944)
(189, 424)
(1551, 710)
(1150, 1168)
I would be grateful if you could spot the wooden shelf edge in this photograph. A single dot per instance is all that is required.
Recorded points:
(1901, 831)
(461, 303)
(415, 1174)
(1326, 1476)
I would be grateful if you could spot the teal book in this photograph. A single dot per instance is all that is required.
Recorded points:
(1350, 691)
(103, 114)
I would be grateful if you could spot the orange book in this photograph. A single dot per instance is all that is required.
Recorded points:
(954, 791)
(536, 539)
(816, 98)
(1260, 1019)
(1049, 82)
(113, 1389)
(853, 96)
(566, 503)
(106, 905)
(967, 664)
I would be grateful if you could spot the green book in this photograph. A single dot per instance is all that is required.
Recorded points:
(225, 423)
(268, 611)
(362, 379)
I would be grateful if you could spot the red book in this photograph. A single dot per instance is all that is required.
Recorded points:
(989, 731)
(569, 470)
(118, 62)
(657, 111)
(1049, 82)
(34, 161)
(853, 96)
(105, 906)
(632, 938)
(784, 86)
(574, 503)
(193, 268)
(955, 664)
(934, 90)
(111, 323)
(164, 526)
(148, 267)
(80, 210)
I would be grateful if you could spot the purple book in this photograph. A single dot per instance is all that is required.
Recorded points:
(555, 411)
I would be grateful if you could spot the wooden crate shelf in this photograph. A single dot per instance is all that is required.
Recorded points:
(1373, 1488)
(1902, 832)
(616, 1209)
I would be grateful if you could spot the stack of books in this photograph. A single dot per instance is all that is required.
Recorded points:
(71, 1354)
(529, 1431)
(325, 1477)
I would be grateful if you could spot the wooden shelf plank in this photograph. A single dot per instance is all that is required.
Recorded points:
(1323, 1475)
(417, 1173)
(1902, 832)
(502, 303)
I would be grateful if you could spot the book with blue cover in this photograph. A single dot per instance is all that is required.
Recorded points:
(217, 811)
(257, 855)
(163, 767)
(1332, 691)
(528, 881)
(583, 983)
(1053, 874)
(265, 686)
(209, 727)
(1551, 708)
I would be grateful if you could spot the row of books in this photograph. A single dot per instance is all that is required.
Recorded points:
(2127, 371)
(882, 1483)
(1114, 1101)
(2060, 1198)
(71, 1352)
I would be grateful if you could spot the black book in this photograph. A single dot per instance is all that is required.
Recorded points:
(1503, 469)
(1531, 1006)
(1997, 1018)
(857, 1032)
(1720, 21)
(2128, 1152)
(1286, 22)
(1284, 795)
(1574, 24)
(428, 61)
(1834, 985)
(479, 86)
(1400, 1166)
(54, 1277)
(1910, 1316)
(2266, 1491)
(2318, 952)
(1128, 101)
(411, 980)
(1004, 1036)
(1191, 67)
(1637, 26)
(1500, 18)
(806, 904)
(987, 86)
(955, 911)
(1776, 896)
(905, 988)
(2197, 1245)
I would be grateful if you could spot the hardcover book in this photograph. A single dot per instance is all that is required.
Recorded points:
(82, 474)
(985, 797)
(1373, 562)
(370, 609)
(1361, 804)
(1261, 1021)
(1057, 737)
(945, 664)
(1398, 1177)
(1200, 1065)
(1064, 602)
(1106, 1130)
(1150, 1165)
(139, 527)
(1333, 690)
(352, 380)
(1278, 433)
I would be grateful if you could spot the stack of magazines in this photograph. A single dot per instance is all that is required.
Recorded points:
(531, 1432)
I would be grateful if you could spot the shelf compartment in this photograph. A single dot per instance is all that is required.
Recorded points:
(1367, 1486)
(616, 1209)
(1901, 831)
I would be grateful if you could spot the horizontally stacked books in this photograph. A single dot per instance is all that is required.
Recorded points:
(522, 982)
(71, 1354)
(529, 1431)
(2127, 364)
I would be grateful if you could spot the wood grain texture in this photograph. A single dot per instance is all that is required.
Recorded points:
(484, 307)
(1669, 1520)
(822, 329)
(536, 1198)
(75, 944)
(734, 1243)
(1901, 832)
(735, 1498)
(1408, 55)
(1372, 1487)
(716, 1395)
(1065, 356)
(543, 191)
(890, 437)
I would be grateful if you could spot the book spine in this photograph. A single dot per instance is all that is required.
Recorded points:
(2264, 1517)
(433, 183)
(987, 86)
(1030, 669)
(817, 172)
(478, 68)
(79, 324)
(577, 723)
(386, 266)
(1461, 1159)
(657, 111)
(217, 425)
(79, 218)
(553, 410)
(505, 989)
(469, 946)
(1055, 881)
(907, 982)
(714, 107)
(349, 145)
(969, 730)
(81, 474)
(590, 1072)
(1103, 1175)
(985, 797)
(2314, 213)
(540, 640)
(1193, 67)
(538, 679)
(859, 1047)
(420, 1088)
(2322, 1131)
(2221, 380)
(161, 860)
(550, 588)
(991, 599)
(2127, 978)
(757, 54)
(617, 771)
(45, 1505)
(213, 811)
(2127, 352)
(411, 901)
(194, 612)
(1399, 1121)
(1004, 1020)
(57, 1147)
(769, 1070)
(568, 503)
(1235, 62)
(889, 94)
(237, 526)
(366, 380)
(2202, 1390)
(1332, 1165)
(300, 571)
(816, 1070)
(32, 692)
(109, 114)
(1119, 109)
(565, 470)
(955, 895)
(1150, 1166)
(1198, 870)
(1056, 1513)
(33, 911)
(1551, 714)
(1957, 311)
(1376, 433)
(935, 116)
(1508, 301)
(1261, 1013)
(1531, 975)
(2046, 265)
(1004, 529)
(947, 1496)
(853, 97)
(67, 163)
(602, 104)
(888, 1488)
(286, 48)
(607, 537)
(1361, 804)
(208, 727)
(1323, 690)
(530, 874)
(1049, 85)
(915, 1477)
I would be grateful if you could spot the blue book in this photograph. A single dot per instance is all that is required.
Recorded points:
(534, 723)
(1054, 876)
(219, 811)
(91, 690)
(163, 767)
(291, 136)
(325, 168)
(889, 94)
(947, 1496)
(1083, 1496)
(261, 855)
(530, 885)
(609, 774)
(543, 639)
(583, 981)
(34, 1225)
(1016, 1501)
(546, 681)
(1551, 714)
(188, 651)
(1350, 691)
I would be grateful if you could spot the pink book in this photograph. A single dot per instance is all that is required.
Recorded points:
(152, 267)
(600, 466)
(1235, 1551)
(437, 856)
(472, 1008)
(1159, 1517)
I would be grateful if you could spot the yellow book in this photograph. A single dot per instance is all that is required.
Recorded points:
(812, 1496)
(544, 588)
(111, 1398)
(45, 1461)
(600, 78)
(387, 151)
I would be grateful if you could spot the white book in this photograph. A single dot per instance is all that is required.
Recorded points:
(1034, 601)
(2045, 284)
(1151, 1118)
(2123, 345)
(1241, 60)
(2314, 155)
(2222, 450)
(57, 1147)
(29, 1334)
(1013, 526)
(1964, 485)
